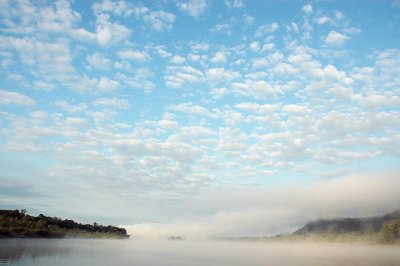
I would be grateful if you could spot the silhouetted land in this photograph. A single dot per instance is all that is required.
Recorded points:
(18, 224)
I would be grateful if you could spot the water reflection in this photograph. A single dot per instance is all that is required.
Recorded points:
(46, 252)
(13, 251)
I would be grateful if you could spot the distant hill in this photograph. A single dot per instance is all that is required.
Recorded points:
(348, 225)
(18, 224)
(378, 229)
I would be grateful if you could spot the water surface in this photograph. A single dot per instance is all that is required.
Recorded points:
(200, 253)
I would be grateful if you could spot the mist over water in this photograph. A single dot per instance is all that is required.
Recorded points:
(191, 253)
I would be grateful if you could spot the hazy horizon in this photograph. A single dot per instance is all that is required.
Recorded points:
(200, 118)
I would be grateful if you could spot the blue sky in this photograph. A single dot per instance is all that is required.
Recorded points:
(188, 115)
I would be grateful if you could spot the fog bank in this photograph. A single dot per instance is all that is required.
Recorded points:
(268, 211)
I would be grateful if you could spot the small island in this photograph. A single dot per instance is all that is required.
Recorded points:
(19, 224)
(179, 238)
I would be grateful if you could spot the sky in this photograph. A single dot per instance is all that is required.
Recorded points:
(197, 117)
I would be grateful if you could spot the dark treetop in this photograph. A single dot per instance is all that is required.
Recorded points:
(384, 229)
(16, 223)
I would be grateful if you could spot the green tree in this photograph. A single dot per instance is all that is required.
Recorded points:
(391, 232)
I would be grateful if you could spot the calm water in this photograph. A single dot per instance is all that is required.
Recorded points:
(159, 253)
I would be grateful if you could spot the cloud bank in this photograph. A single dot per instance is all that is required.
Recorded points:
(264, 212)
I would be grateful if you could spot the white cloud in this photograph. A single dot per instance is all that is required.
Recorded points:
(193, 57)
(336, 39)
(25, 10)
(323, 20)
(219, 57)
(178, 76)
(257, 108)
(108, 32)
(140, 10)
(264, 30)
(332, 73)
(40, 115)
(218, 93)
(190, 108)
(192, 134)
(233, 118)
(50, 58)
(221, 75)
(292, 27)
(15, 98)
(78, 83)
(83, 35)
(112, 102)
(70, 108)
(203, 46)
(161, 50)
(177, 59)
(168, 124)
(339, 15)
(255, 46)
(308, 9)
(45, 86)
(224, 28)
(275, 57)
(99, 61)
(377, 100)
(58, 18)
(159, 20)
(285, 69)
(260, 89)
(235, 3)
(302, 59)
(259, 62)
(268, 46)
(194, 8)
(120, 8)
(248, 20)
(61, 18)
(134, 55)
(105, 84)
(141, 79)
(76, 122)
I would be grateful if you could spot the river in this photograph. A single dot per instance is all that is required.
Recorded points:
(59, 252)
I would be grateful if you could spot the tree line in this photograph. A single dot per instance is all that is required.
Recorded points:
(17, 223)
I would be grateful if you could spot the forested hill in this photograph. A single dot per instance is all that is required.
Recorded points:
(348, 225)
(16, 223)
(384, 228)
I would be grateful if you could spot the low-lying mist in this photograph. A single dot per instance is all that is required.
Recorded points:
(281, 209)
(190, 253)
